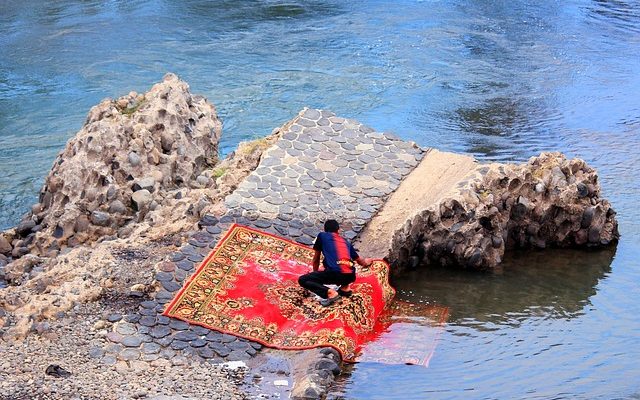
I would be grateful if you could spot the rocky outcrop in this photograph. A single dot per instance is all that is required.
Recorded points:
(132, 155)
(138, 198)
(548, 202)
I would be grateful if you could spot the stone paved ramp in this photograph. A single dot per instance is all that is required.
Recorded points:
(322, 166)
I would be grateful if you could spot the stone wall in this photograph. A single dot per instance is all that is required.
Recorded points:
(548, 202)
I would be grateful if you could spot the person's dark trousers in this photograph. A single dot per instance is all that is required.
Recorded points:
(316, 281)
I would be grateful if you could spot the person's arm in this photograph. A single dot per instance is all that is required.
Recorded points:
(316, 261)
(365, 262)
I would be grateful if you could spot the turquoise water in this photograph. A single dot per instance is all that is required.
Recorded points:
(496, 79)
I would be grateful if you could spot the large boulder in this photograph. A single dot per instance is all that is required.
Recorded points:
(154, 142)
(548, 202)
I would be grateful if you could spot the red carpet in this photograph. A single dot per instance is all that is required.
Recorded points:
(248, 287)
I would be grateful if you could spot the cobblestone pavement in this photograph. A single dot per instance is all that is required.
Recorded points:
(323, 166)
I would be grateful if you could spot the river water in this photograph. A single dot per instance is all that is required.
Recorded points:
(501, 80)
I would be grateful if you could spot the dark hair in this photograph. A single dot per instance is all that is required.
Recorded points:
(331, 225)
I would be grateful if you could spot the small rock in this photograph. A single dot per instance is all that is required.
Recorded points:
(150, 348)
(122, 103)
(179, 360)
(108, 360)
(126, 328)
(179, 325)
(312, 392)
(100, 218)
(134, 159)
(583, 190)
(208, 220)
(114, 337)
(138, 287)
(82, 223)
(129, 354)
(131, 341)
(160, 331)
(5, 246)
(132, 318)
(96, 352)
(328, 365)
(115, 317)
(42, 327)
(140, 394)
(111, 192)
(117, 207)
(166, 140)
(147, 183)
(202, 181)
(24, 227)
(101, 324)
(148, 321)
(141, 198)
(36, 208)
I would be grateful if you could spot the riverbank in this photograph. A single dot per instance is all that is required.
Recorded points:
(138, 199)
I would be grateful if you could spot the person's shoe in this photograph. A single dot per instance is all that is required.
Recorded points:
(345, 293)
(329, 301)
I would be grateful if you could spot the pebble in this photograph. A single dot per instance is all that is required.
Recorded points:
(160, 331)
(205, 352)
(150, 348)
(179, 360)
(163, 277)
(129, 354)
(200, 330)
(148, 321)
(115, 317)
(178, 324)
(143, 331)
(132, 318)
(96, 352)
(164, 341)
(186, 336)
(179, 345)
(131, 341)
(185, 265)
(114, 337)
(171, 286)
(109, 360)
(220, 349)
(147, 312)
(198, 343)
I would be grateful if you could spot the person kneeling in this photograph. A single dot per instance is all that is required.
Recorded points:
(339, 257)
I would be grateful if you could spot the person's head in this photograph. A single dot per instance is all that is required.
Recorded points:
(331, 225)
